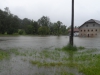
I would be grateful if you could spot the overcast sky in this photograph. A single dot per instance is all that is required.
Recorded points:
(54, 9)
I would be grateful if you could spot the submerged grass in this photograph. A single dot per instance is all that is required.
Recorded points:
(81, 48)
(47, 64)
(70, 48)
(80, 58)
(85, 61)
(90, 64)
(4, 54)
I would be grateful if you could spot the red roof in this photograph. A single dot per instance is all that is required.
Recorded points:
(75, 30)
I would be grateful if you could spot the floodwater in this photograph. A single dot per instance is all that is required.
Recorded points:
(15, 65)
(45, 42)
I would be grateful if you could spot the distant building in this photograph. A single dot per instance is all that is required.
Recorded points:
(90, 28)
(76, 31)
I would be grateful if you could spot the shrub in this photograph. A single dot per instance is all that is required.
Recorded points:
(69, 48)
(21, 32)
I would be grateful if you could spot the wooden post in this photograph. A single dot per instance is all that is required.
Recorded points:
(72, 24)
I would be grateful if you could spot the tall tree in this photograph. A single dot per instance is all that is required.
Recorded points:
(36, 27)
(44, 21)
(7, 10)
(3, 18)
(25, 22)
(59, 25)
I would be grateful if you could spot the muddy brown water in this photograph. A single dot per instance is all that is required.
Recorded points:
(15, 66)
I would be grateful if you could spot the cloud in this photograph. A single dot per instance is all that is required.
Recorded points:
(54, 9)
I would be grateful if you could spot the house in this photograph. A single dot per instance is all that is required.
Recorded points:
(76, 31)
(90, 28)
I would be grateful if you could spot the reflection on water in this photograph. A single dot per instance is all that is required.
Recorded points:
(44, 42)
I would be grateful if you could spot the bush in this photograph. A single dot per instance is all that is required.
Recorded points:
(69, 48)
(21, 32)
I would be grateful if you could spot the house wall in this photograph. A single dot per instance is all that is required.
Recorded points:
(89, 30)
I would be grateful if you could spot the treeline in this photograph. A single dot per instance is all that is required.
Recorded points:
(10, 24)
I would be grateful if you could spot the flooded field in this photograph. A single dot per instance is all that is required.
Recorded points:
(35, 55)
(42, 42)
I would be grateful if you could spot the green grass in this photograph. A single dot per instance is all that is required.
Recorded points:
(47, 64)
(84, 60)
(70, 48)
(90, 64)
(81, 48)
(65, 73)
(4, 54)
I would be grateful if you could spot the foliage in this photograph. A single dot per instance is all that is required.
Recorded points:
(44, 21)
(10, 24)
(43, 30)
(21, 31)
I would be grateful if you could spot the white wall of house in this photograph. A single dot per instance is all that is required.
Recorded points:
(89, 29)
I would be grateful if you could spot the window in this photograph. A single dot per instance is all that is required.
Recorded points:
(84, 30)
(86, 25)
(92, 30)
(96, 30)
(81, 30)
(88, 30)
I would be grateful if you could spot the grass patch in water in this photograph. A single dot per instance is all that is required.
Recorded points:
(81, 48)
(47, 64)
(86, 62)
(90, 64)
(70, 48)
(64, 72)
(4, 54)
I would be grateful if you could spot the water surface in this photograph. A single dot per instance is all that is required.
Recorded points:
(45, 42)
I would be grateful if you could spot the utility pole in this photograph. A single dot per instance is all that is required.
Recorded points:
(72, 24)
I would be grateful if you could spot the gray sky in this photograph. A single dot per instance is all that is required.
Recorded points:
(54, 9)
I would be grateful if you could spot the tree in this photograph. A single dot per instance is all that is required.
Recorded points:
(13, 24)
(24, 24)
(3, 25)
(30, 29)
(44, 21)
(43, 30)
(59, 25)
(36, 27)
(7, 10)
(51, 27)
(10, 24)
(63, 29)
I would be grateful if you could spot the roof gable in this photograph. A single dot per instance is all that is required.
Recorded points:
(91, 21)
(97, 21)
